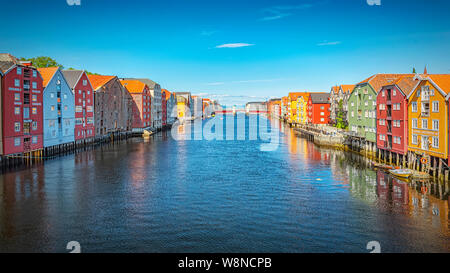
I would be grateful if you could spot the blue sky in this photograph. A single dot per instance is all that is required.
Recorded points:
(234, 51)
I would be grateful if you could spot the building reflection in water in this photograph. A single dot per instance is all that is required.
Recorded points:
(378, 187)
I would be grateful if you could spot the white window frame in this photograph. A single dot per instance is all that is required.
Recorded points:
(414, 107)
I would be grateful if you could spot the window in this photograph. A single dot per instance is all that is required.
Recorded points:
(34, 139)
(414, 123)
(34, 110)
(84, 82)
(366, 103)
(51, 123)
(382, 93)
(65, 96)
(414, 139)
(67, 132)
(53, 133)
(34, 98)
(435, 124)
(16, 126)
(88, 92)
(17, 110)
(34, 125)
(394, 92)
(17, 141)
(26, 113)
(435, 106)
(381, 137)
(65, 107)
(34, 73)
(322, 113)
(435, 143)
(34, 85)
(19, 71)
(353, 114)
(425, 142)
(52, 108)
(79, 92)
(353, 104)
(52, 95)
(424, 123)
(17, 83)
(414, 107)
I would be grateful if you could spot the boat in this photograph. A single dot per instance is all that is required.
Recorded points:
(401, 173)
(381, 166)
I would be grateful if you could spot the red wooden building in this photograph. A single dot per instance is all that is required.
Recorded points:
(141, 109)
(319, 108)
(392, 115)
(164, 106)
(84, 103)
(21, 104)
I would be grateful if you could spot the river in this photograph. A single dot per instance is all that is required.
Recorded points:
(165, 195)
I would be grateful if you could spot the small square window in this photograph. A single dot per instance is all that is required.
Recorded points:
(34, 139)
(17, 83)
(34, 73)
(84, 82)
(34, 98)
(34, 110)
(17, 141)
(34, 85)
(17, 110)
(19, 71)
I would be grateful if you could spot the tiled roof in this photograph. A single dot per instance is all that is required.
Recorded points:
(7, 61)
(379, 80)
(442, 80)
(72, 76)
(347, 88)
(294, 95)
(98, 81)
(133, 86)
(320, 97)
(151, 84)
(406, 84)
(47, 74)
(168, 94)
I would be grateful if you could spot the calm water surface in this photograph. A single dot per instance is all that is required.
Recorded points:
(162, 195)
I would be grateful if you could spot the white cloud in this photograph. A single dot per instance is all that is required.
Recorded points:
(235, 45)
(329, 43)
(279, 12)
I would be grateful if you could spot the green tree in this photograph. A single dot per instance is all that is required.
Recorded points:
(43, 61)
(341, 123)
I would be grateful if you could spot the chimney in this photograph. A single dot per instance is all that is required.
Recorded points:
(425, 70)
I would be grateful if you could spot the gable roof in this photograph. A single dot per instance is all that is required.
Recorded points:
(379, 80)
(294, 95)
(347, 88)
(320, 97)
(442, 81)
(406, 84)
(47, 74)
(133, 86)
(98, 81)
(72, 77)
(167, 92)
(151, 84)
(7, 61)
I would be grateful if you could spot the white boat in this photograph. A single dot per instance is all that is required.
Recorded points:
(402, 173)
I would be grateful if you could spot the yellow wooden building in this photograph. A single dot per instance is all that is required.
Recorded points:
(302, 105)
(428, 116)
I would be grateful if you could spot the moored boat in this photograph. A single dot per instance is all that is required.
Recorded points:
(401, 173)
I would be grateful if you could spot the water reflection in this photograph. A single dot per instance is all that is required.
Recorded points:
(162, 195)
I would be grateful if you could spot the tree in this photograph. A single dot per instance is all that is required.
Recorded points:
(414, 70)
(341, 123)
(43, 61)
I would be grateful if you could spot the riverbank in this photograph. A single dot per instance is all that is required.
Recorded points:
(28, 159)
(326, 136)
